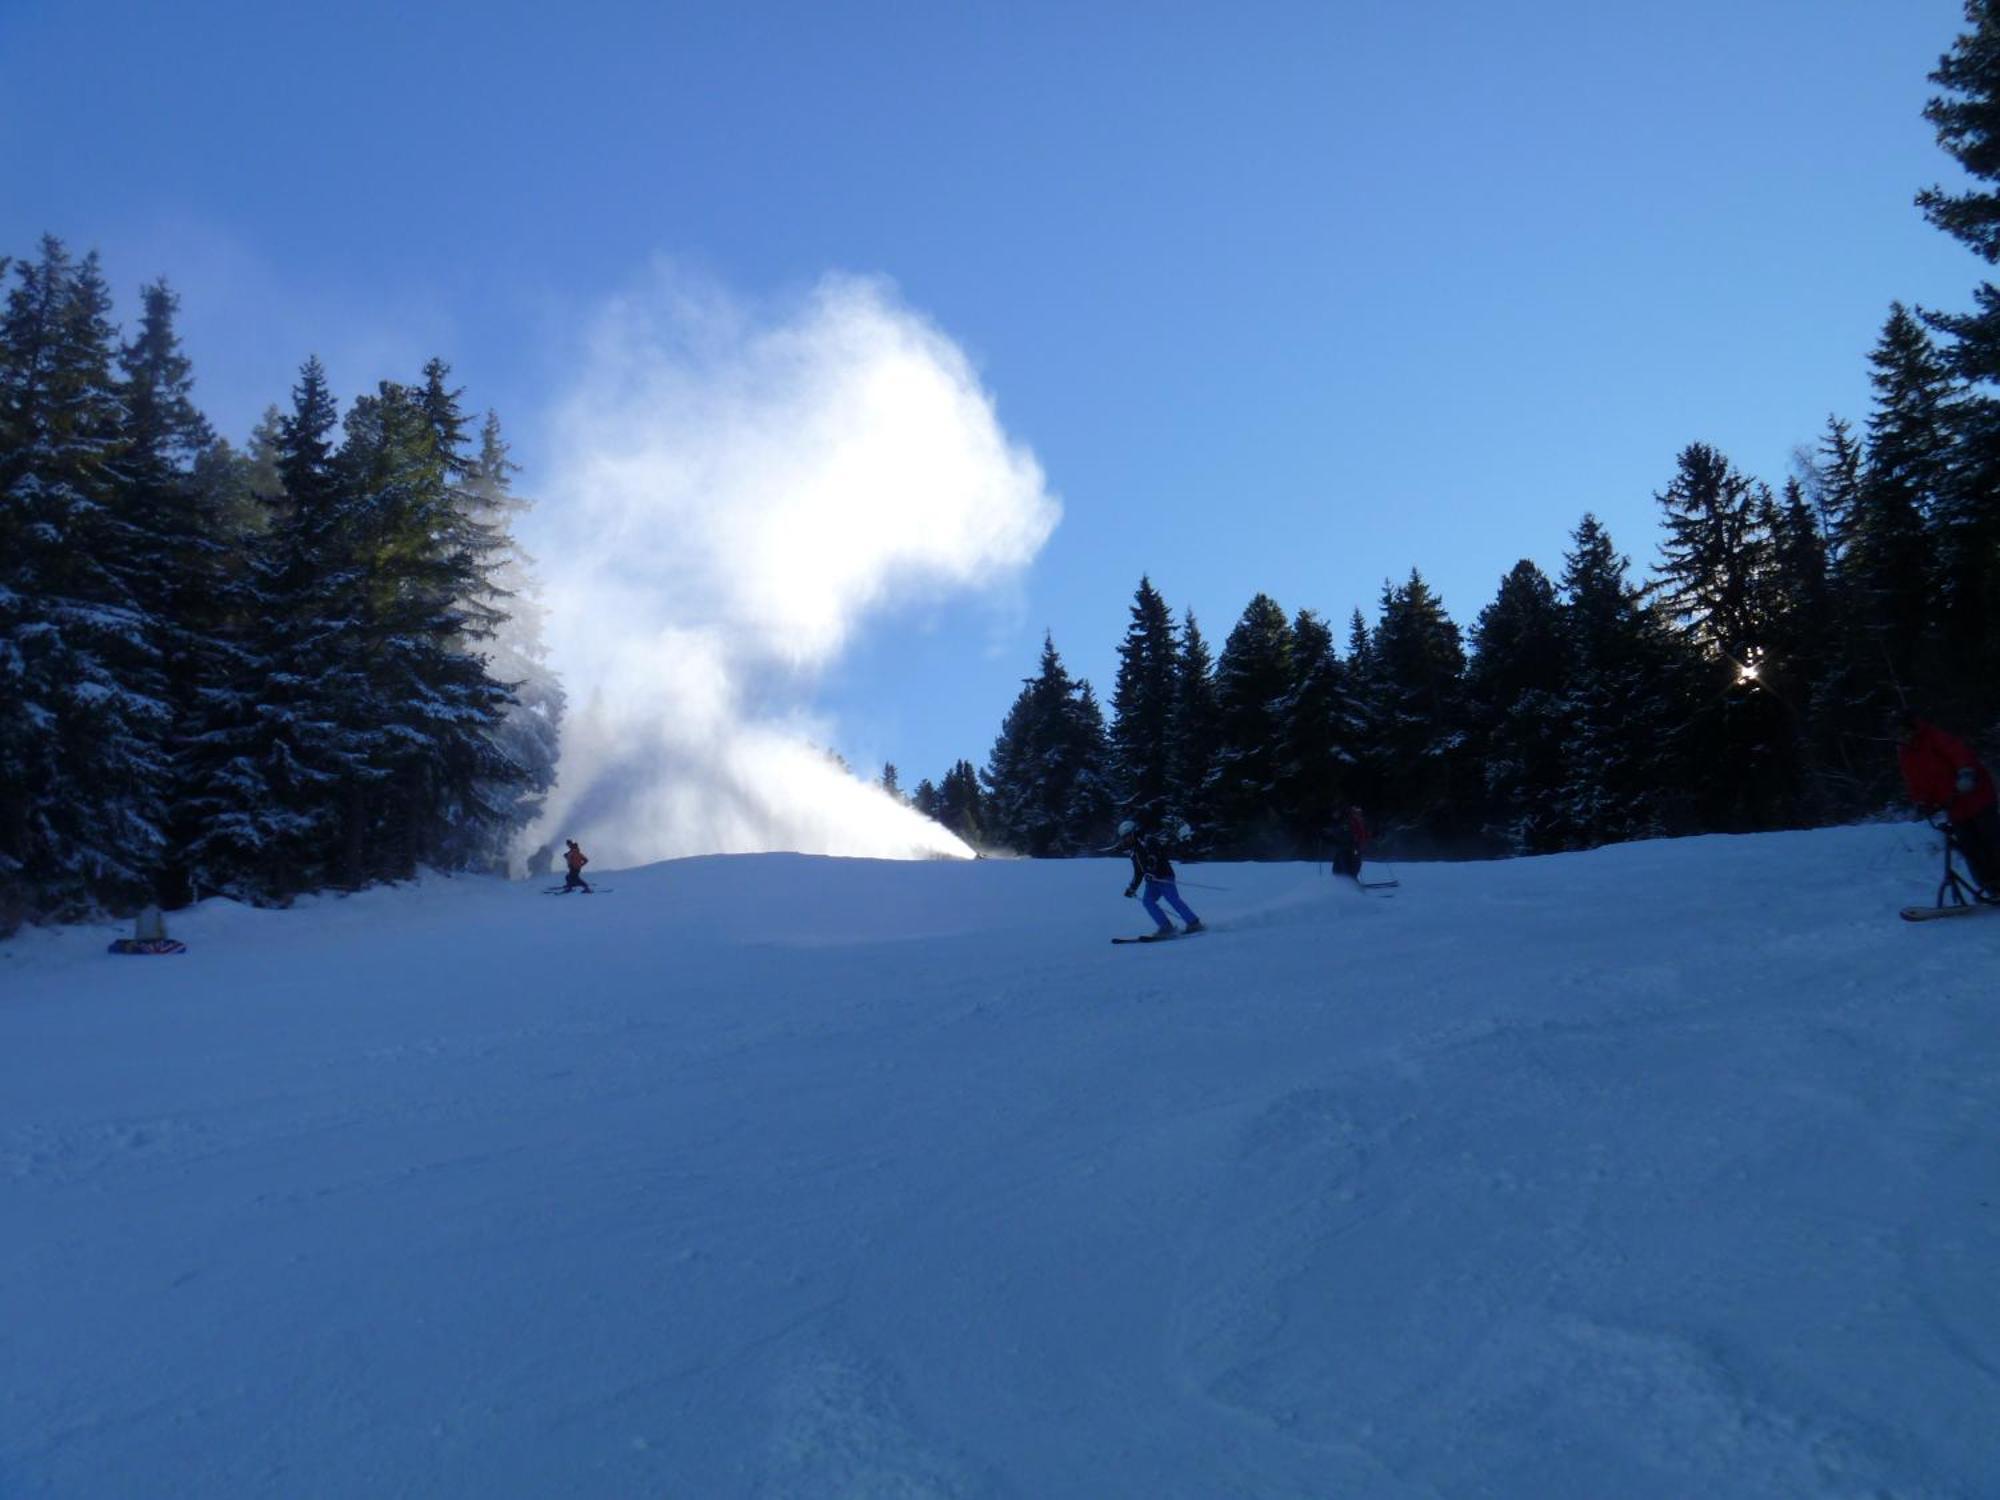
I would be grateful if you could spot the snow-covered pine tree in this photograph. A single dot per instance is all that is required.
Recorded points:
(291, 738)
(530, 732)
(1517, 683)
(1142, 703)
(83, 774)
(1048, 793)
(424, 556)
(1253, 679)
(186, 585)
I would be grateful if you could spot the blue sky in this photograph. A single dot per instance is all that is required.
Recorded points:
(1282, 296)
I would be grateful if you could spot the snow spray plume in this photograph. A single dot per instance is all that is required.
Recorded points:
(733, 495)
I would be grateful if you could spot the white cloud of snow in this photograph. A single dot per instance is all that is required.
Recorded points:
(734, 492)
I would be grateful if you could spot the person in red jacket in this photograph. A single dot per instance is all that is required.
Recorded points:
(576, 859)
(1350, 838)
(1943, 775)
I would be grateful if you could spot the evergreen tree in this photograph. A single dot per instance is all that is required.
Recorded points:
(1253, 679)
(1193, 736)
(1966, 114)
(1625, 711)
(83, 718)
(185, 583)
(529, 735)
(1143, 703)
(1420, 662)
(1833, 483)
(279, 771)
(888, 781)
(1905, 491)
(1367, 699)
(1714, 583)
(1714, 556)
(1319, 731)
(925, 800)
(423, 559)
(960, 805)
(1517, 687)
(1048, 789)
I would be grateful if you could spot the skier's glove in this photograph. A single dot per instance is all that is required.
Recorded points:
(1131, 890)
(1965, 779)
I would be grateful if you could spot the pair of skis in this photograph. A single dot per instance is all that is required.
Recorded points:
(1934, 913)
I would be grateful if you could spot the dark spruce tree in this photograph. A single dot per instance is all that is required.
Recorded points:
(1832, 477)
(84, 777)
(1142, 703)
(276, 777)
(1843, 713)
(1517, 689)
(1625, 713)
(1367, 700)
(423, 557)
(188, 589)
(1253, 679)
(1804, 652)
(1966, 114)
(1319, 735)
(960, 805)
(1900, 558)
(1048, 791)
(1419, 661)
(1713, 583)
(1193, 735)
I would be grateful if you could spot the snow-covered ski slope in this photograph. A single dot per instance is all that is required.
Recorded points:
(1667, 1170)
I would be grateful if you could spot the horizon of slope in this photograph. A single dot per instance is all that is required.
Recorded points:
(1659, 1169)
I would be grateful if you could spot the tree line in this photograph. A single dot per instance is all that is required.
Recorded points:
(314, 661)
(1744, 685)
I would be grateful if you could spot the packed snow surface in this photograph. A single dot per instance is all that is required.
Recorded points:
(1667, 1170)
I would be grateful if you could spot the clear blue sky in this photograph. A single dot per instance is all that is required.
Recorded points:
(1286, 297)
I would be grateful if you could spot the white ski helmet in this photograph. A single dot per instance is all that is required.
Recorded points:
(1127, 828)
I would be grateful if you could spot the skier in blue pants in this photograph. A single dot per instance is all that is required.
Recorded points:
(1151, 866)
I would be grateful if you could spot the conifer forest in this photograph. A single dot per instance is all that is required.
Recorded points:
(316, 660)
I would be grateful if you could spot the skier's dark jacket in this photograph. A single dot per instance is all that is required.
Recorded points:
(1149, 862)
(1931, 761)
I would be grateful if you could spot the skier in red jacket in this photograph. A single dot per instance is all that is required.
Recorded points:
(1350, 838)
(576, 859)
(1943, 775)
